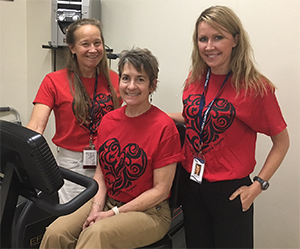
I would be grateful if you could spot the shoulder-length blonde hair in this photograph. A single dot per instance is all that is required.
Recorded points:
(77, 89)
(244, 74)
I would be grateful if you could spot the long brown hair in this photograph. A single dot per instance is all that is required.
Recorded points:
(81, 99)
(244, 74)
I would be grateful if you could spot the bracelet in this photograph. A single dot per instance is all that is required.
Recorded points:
(96, 203)
(115, 210)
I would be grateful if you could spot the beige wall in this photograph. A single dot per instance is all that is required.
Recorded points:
(165, 27)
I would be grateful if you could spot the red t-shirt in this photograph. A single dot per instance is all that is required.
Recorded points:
(55, 92)
(230, 131)
(130, 149)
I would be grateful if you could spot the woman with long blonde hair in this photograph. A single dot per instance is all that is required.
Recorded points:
(226, 102)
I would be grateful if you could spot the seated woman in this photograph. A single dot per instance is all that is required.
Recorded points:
(139, 147)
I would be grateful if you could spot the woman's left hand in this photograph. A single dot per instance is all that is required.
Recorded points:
(95, 216)
(247, 194)
(274, 159)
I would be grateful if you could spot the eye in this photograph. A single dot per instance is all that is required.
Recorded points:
(98, 43)
(140, 80)
(218, 37)
(84, 44)
(124, 78)
(203, 39)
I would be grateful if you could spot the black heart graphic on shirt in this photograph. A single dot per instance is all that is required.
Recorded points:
(101, 106)
(219, 119)
(122, 166)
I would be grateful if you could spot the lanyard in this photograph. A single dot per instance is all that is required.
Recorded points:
(202, 118)
(93, 105)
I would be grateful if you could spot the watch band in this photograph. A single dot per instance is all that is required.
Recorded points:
(264, 184)
(115, 210)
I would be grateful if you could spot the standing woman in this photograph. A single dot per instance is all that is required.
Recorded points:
(80, 95)
(227, 101)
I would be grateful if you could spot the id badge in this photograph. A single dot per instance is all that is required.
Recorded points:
(89, 157)
(198, 168)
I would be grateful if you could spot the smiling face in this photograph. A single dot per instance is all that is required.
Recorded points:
(135, 89)
(215, 47)
(88, 48)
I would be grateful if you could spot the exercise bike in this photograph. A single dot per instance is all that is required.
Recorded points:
(30, 179)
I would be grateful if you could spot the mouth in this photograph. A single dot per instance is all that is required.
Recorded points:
(92, 57)
(132, 94)
(212, 55)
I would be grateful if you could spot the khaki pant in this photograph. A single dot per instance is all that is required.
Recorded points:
(125, 230)
(71, 160)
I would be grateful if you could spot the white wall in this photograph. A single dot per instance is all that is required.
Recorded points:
(166, 27)
(13, 56)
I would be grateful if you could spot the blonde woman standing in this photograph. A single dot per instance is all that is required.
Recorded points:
(226, 102)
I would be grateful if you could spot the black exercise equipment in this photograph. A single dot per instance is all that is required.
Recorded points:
(31, 171)
(28, 169)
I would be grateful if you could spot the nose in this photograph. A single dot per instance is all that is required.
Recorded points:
(92, 49)
(209, 45)
(131, 85)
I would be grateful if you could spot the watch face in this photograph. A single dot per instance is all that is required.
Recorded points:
(265, 185)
